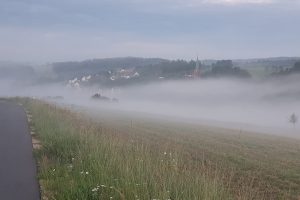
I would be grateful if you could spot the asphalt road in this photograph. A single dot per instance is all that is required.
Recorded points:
(17, 166)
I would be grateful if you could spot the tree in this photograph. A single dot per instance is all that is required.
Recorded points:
(223, 68)
(293, 119)
(296, 67)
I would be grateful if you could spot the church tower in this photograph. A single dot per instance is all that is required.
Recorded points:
(196, 73)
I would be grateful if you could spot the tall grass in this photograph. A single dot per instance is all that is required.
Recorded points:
(81, 160)
(109, 157)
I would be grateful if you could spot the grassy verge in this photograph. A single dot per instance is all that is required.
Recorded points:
(82, 159)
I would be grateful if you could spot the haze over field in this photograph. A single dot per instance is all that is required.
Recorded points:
(152, 99)
(234, 103)
(35, 35)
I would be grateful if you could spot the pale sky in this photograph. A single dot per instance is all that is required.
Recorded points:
(59, 30)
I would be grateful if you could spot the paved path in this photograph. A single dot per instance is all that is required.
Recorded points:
(17, 166)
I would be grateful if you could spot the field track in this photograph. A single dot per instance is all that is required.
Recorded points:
(17, 167)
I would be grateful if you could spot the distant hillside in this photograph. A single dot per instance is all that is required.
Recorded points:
(265, 66)
(125, 71)
(289, 71)
(68, 70)
(111, 72)
(226, 68)
(121, 71)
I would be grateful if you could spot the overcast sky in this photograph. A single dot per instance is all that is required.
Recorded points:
(57, 30)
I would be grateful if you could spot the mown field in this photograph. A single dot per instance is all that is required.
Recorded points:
(105, 155)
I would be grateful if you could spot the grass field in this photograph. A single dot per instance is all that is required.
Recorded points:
(112, 156)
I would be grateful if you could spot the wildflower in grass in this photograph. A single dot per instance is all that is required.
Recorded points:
(53, 170)
(81, 172)
(165, 153)
(95, 189)
(103, 185)
(86, 173)
(70, 166)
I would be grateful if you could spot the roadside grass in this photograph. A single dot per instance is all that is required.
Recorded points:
(108, 156)
(266, 166)
(80, 160)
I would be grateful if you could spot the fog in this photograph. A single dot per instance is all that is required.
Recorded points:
(254, 105)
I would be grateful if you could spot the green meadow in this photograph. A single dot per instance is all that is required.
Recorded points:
(113, 156)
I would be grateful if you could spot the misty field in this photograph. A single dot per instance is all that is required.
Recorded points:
(113, 156)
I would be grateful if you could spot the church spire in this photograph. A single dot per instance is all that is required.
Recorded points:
(197, 64)
(196, 73)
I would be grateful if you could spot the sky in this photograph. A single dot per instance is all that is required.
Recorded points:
(61, 30)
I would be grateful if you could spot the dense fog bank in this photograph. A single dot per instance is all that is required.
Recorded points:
(264, 103)
(241, 103)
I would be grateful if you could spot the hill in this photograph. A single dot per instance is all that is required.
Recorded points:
(68, 70)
